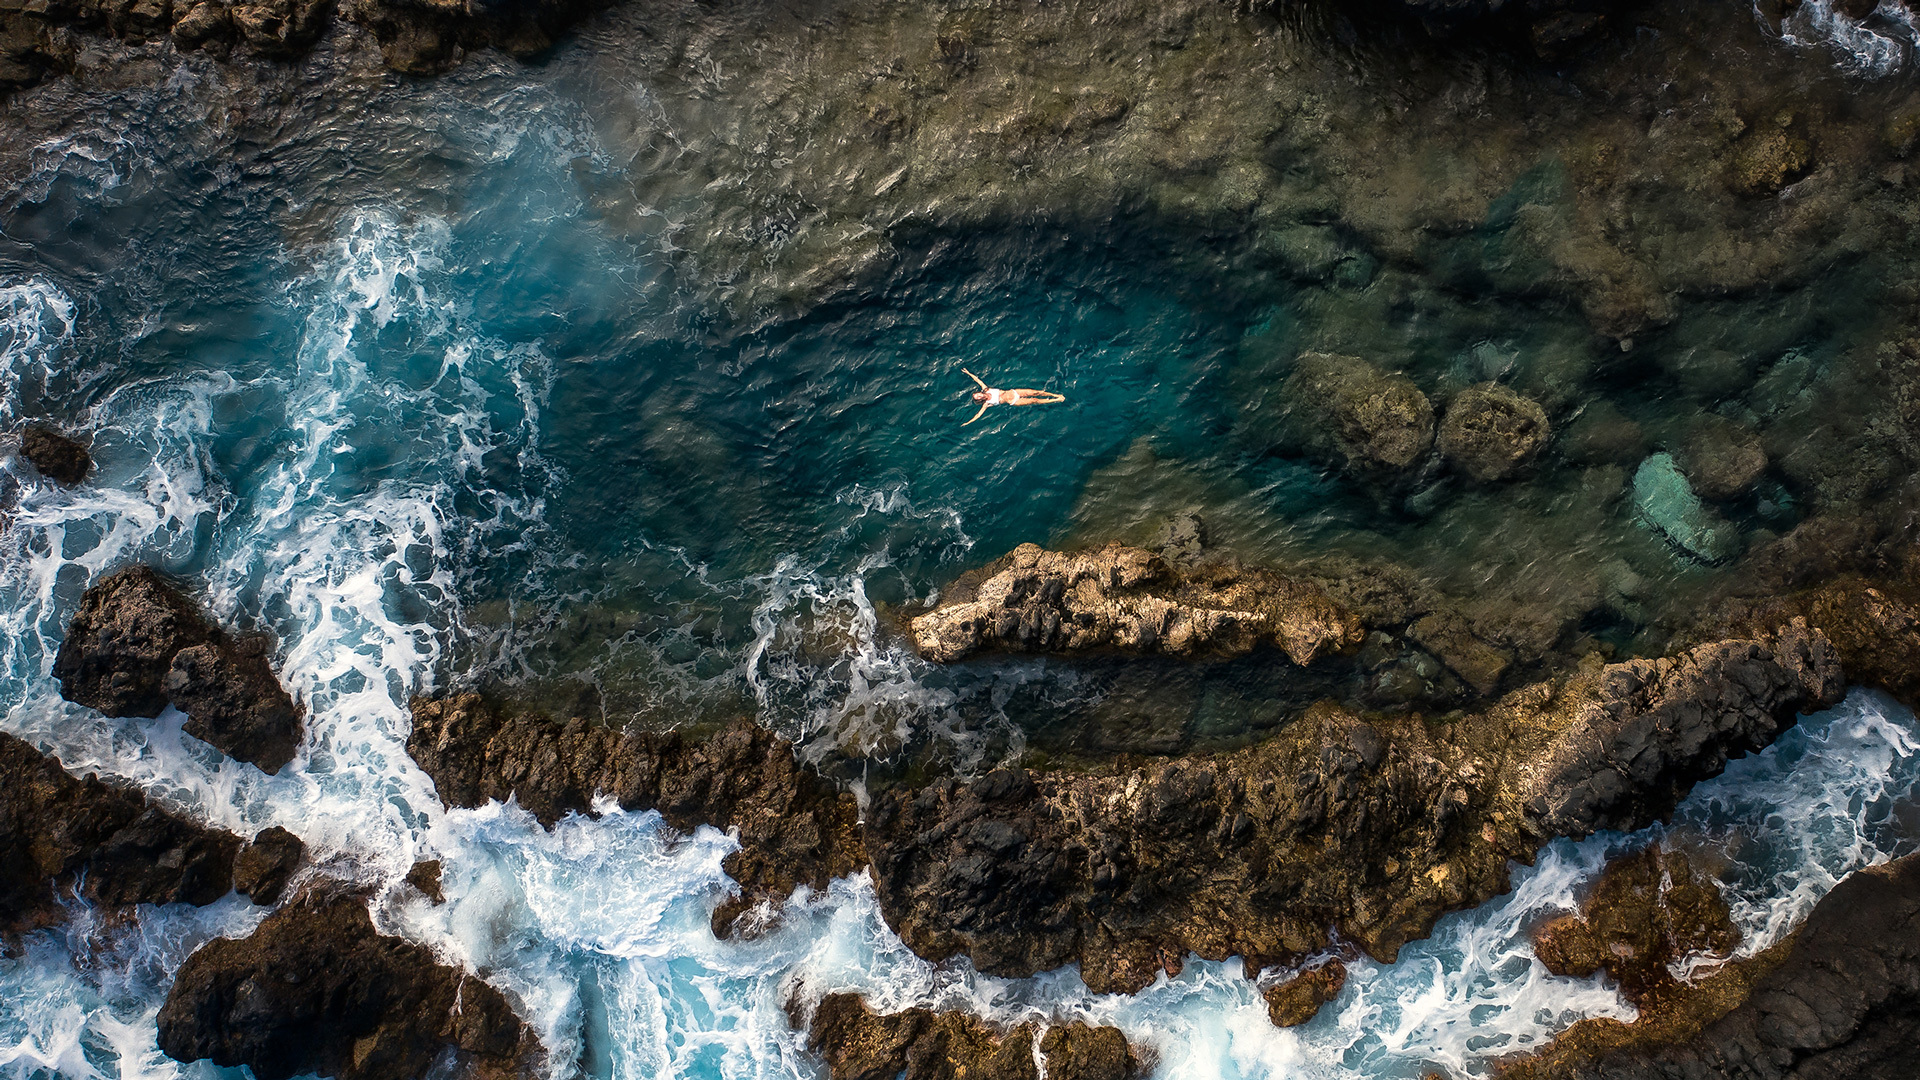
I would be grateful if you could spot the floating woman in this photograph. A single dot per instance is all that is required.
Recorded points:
(988, 397)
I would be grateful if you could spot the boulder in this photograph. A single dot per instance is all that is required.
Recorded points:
(1667, 502)
(1132, 601)
(1299, 999)
(1721, 459)
(1648, 910)
(58, 457)
(137, 644)
(1490, 432)
(1371, 419)
(315, 989)
(921, 1044)
(265, 865)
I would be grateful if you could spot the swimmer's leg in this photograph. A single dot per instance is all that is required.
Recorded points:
(1048, 397)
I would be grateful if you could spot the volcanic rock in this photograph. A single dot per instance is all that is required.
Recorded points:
(1373, 420)
(137, 644)
(920, 1044)
(1490, 432)
(1649, 909)
(1129, 600)
(265, 865)
(59, 457)
(425, 876)
(315, 989)
(794, 827)
(1298, 1000)
(1374, 828)
(1722, 459)
(58, 830)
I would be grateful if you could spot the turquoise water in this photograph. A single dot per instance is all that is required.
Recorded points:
(384, 370)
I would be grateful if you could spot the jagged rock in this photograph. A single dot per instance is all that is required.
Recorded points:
(1841, 998)
(1647, 910)
(315, 989)
(1299, 999)
(1131, 600)
(425, 876)
(1667, 502)
(1373, 420)
(137, 643)
(1720, 458)
(1491, 432)
(57, 830)
(1449, 637)
(1373, 828)
(265, 865)
(1769, 159)
(58, 457)
(203, 22)
(794, 827)
(281, 28)
(920, 1044)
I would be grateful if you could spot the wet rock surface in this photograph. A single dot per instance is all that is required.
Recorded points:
(1490, 432)
(1299, 999)
(1840, 998)
(920, 1044)
(1372, 420)
(1130, 600)
(315, 989)
(58, 457)
(1373, 828)
(138, 644)
(267, 863)
(794, 827)
(59, 832)
(1647, 910)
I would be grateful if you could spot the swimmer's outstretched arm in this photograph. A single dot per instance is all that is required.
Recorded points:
(983, 386)
(981, 413)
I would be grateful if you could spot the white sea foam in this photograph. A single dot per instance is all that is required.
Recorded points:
(1876, 46)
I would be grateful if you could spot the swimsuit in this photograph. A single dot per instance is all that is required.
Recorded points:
(993, 397)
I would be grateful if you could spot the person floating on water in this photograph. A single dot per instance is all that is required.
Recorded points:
(988, 397)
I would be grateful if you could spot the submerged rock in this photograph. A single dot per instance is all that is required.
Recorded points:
(1647, 910)
(794, 827)
(1373, 420)
(1299, 999)
(1130, 600)
(1490, 432)
(137, 644)
(58, 457)
(59, 832)
(315, 989)
(1721, 459)
(920, 1044)
(1372, 828)
(1666, 500)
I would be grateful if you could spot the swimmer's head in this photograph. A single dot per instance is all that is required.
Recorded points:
(979, 395)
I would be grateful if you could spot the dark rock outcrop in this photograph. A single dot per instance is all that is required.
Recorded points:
(57, 830)
(425, 876)
(1298, 1000)
(315, 989)
(137, 643)
(1372, 828)
(1489, 432)
(1372, 420)
(58, 457)
(1130, 600)
(794, 827)
(920, 1044)
(1841, 998)
(264, 866)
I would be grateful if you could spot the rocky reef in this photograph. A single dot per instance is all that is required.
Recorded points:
(795, 828)
(59, 833)
(1131, 600)
(137, 644)
(56, 455)
(921, 1044)
(1841, 997)
(316, 989)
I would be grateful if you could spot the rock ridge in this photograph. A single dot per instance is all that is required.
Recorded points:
(921, 1044)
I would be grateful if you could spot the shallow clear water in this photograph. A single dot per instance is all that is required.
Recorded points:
(380, 372)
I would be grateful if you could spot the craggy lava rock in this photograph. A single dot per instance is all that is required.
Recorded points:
(58, 457)
(1130, 600)
(1374, 421)
(1841, 998)
(315, 989)
(794, 827)
(136, 644)
(1648, 909)
(1298, 1000)
(1490, 432)
(266, 864)
(57, 830)
(920, 1044)
(1372, 828)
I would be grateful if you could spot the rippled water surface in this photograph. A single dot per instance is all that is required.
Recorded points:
(411, 374)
